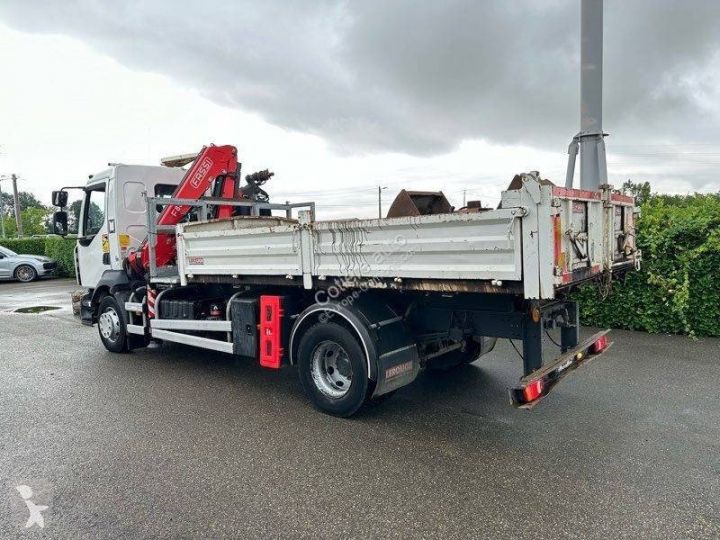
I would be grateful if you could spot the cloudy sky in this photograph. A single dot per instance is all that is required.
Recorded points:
(338, 97)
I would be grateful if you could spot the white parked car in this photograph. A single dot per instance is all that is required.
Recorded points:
(24, 268)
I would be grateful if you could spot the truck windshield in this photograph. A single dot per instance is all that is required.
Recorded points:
(94, 211)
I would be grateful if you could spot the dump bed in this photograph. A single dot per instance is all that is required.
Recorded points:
(542, 239)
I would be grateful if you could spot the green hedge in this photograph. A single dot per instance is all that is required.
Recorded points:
(63, 251)
(55, 247)
(26, 246)
(678, 289)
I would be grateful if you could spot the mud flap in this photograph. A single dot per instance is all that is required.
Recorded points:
(87, 310)
(396, 368)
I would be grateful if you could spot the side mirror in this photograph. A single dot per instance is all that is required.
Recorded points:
(60, 220)
(60, 198)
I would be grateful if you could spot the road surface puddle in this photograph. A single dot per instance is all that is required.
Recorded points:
(36, 309)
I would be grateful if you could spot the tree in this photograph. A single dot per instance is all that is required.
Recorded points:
(26, 199)
(6, 204)
(640, 190)
(33, 214)
(34, 221)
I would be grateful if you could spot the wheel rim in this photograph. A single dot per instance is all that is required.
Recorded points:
(109, 324)
(25, 273)
(331, 369)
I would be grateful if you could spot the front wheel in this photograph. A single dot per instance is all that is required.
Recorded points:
(26, 273)
(111, 326)
(333, 369)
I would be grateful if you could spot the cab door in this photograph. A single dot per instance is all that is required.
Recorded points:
(93, 246)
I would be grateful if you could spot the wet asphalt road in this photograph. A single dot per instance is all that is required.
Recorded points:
(184, 443)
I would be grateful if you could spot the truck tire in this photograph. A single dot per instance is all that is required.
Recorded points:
(111, 325)
(333, 369)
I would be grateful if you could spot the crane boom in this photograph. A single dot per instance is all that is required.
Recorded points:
(214, 164)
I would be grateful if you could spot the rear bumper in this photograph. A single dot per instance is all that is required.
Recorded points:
(538, 384)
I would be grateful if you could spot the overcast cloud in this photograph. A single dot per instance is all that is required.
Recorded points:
(412, 76)
(371, 79)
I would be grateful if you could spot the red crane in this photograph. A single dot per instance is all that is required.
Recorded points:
(214, 165)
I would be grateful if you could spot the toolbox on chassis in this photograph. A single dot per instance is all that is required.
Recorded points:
(361, 306)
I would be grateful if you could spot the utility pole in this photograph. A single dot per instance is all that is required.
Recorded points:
(16, 198)
(380, 188)
(464, 197)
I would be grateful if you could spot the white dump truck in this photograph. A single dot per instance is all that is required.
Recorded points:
(360, 306)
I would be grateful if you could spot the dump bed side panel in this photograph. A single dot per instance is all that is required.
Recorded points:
(239, 247)
(481, 246)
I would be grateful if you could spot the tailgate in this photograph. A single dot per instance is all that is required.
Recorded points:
(593, 233)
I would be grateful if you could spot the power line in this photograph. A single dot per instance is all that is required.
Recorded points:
(338, 191)
(656, 154)
(345, 205)
(662, 145)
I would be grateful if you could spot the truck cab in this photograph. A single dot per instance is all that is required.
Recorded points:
(113, 215)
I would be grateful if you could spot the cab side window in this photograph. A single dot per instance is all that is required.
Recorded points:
(94, 211)
(164, 190)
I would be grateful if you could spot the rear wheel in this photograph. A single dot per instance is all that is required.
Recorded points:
(111, 326)
(25, 273)
(333, 369)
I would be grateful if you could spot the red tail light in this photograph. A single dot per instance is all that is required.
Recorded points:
(599, 346)
(533, 390)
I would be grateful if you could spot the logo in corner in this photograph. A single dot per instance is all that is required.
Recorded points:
(36, 510)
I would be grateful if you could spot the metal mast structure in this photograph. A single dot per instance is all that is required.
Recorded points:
(589, 141)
